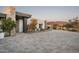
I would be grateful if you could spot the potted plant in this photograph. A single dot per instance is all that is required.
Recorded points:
(7, 25)
(1, 33)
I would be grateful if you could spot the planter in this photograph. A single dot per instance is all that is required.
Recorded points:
(1, 35)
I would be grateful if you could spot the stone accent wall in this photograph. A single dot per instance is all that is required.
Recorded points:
(11, 12)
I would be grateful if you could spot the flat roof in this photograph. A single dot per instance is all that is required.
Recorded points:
(23, 14)
(2, 15)
(17, 14)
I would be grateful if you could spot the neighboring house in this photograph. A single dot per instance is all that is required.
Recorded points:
(41, 25)
(20, 18)
(57, 25)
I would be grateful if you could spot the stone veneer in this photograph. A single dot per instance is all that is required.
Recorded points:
(11, 12)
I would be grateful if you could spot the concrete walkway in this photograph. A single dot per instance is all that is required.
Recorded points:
(42, 42)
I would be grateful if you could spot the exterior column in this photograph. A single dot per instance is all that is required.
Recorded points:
(24, 25)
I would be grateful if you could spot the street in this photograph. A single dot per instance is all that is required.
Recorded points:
(55, 41)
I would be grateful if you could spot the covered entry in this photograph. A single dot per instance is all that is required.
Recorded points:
(21, 21)
(2, 16)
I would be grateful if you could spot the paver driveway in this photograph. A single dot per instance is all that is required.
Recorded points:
(42, 42)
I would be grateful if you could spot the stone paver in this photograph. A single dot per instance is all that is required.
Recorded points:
(43, 42)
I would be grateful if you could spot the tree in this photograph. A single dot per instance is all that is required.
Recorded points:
(68, 25)
(33, 24)
(76, 24)
(7, 25)
(73, 25)
(55, 26)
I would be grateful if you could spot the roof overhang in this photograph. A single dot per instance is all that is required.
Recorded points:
(2, 15)
(23, 14)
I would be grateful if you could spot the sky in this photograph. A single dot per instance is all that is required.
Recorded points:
(51, 13)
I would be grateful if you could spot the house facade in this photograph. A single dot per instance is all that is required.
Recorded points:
(19, 17)
(41, 25)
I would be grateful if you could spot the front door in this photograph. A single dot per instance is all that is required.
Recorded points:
(40, 26)
(20, 25)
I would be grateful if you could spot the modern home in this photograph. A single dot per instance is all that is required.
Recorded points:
(41, 25)
(19, 17)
